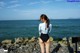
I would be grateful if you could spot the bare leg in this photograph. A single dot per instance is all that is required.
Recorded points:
(41, 45)
(47, 45)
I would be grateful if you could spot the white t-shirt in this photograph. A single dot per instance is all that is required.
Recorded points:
(43, 28)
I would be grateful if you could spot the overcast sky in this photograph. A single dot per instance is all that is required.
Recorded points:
(32, 9)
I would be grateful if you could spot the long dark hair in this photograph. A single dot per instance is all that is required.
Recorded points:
(43, 16)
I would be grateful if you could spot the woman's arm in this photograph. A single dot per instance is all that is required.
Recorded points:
(39, 29)
(50, 28)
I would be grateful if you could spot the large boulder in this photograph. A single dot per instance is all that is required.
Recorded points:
(64, 39)
(19, 40)
(26, 40)
(63, 42)
(32, 39)
(6, 41)
(51, 38)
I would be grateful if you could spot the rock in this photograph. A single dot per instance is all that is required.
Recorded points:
(79, 48)
(63, 43)
(70, 39)
(64, 39)
(6, 42)
(26, 41)
(19, 40)
(63, 50)
(51, 38)
(2, 51)
(32, 39)
(32, 46)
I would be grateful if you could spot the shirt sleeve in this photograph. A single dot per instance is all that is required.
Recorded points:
(50, 28)
(39, 29)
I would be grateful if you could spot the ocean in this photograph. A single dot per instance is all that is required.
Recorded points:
(10, 29)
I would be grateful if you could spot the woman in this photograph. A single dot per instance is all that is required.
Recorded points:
(44, 30)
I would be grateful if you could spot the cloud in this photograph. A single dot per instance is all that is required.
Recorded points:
(14, 6)
(59, 0)
(43, 2)
(32, 3)
(39, 2)
(2, 4)
(46, 2)
(14, 1)
(52, 13)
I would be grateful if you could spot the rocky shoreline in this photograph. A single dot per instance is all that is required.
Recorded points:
(31, 45)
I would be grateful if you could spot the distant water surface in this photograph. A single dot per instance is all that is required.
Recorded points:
(10, 29)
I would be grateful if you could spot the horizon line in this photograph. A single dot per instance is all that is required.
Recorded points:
(38, 19)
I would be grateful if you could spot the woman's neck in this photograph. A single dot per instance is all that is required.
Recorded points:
(44, 22)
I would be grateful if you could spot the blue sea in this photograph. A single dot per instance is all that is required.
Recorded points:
(10, 29)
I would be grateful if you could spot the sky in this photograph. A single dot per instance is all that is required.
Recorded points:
(32, 9)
